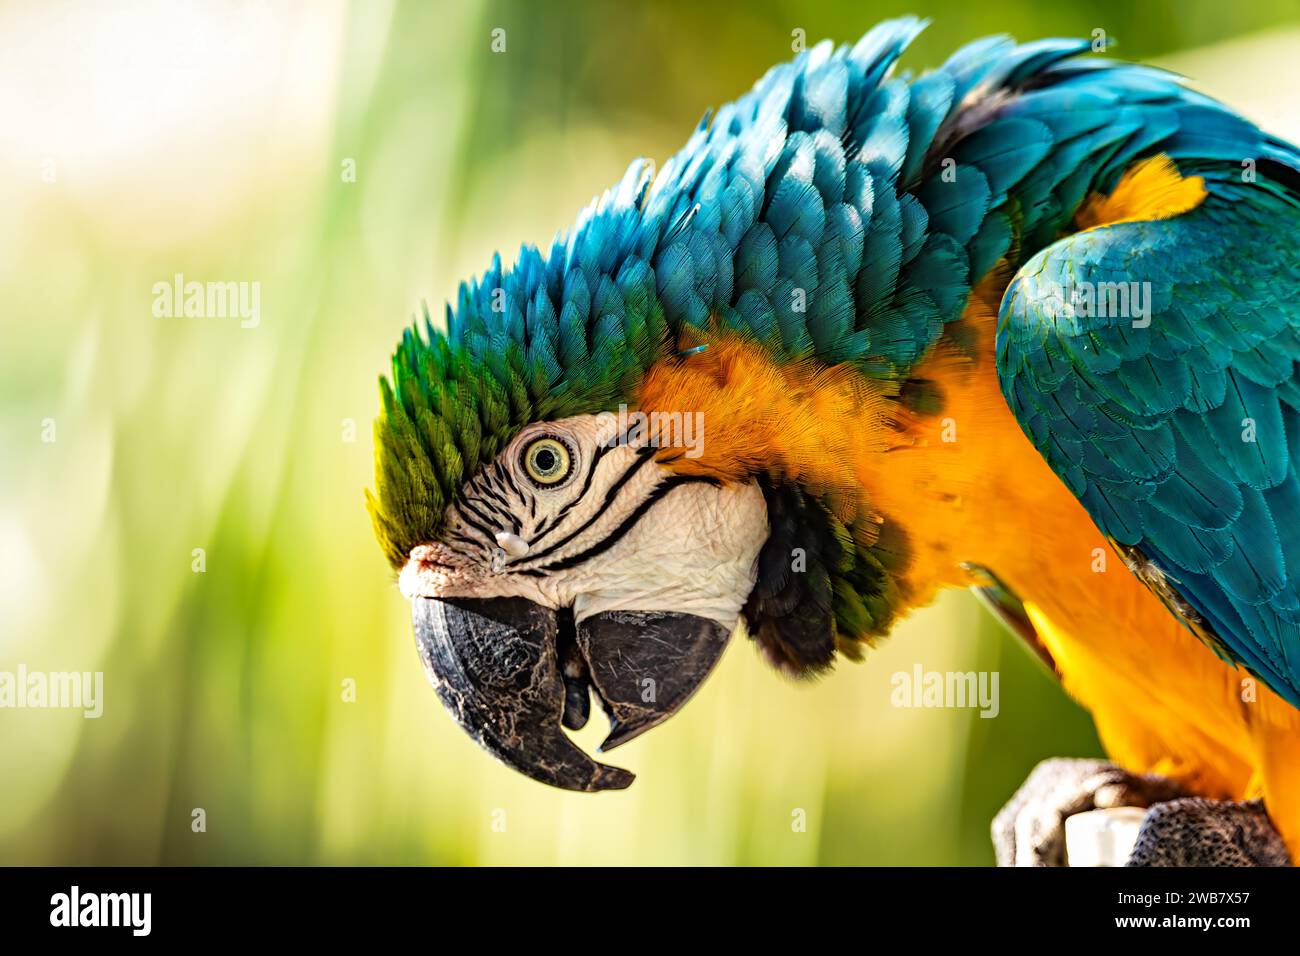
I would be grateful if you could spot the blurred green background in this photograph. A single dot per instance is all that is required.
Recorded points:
(142, 140)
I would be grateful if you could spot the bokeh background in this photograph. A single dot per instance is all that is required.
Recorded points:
(141, 140)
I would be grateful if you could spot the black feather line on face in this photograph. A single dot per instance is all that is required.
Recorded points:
(487, 481)
(489, 536)
(510, 480)
(468, 504)
(491, 493)
(465, 540)
(600, 547)
(644, 455)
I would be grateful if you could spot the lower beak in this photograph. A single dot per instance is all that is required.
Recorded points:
(645, 665)
(495, 664)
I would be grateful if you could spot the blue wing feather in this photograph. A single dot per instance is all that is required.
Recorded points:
(1203, 484)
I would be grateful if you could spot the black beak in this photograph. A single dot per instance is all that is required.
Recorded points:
(496, 665)
(645, 665)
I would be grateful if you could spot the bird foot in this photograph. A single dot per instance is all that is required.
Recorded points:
(1177, 829)
(1198, 832)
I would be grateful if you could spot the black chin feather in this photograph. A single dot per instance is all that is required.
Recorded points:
(790, 611)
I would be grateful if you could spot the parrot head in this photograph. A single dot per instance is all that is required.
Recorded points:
(573, 562)
(678, 420)
(597, 518)
(551, 557)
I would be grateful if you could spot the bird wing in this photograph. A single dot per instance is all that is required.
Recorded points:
(1179, 430)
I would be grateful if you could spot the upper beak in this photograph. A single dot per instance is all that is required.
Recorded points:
(495, 664)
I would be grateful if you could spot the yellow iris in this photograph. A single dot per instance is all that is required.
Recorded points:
(547, 461)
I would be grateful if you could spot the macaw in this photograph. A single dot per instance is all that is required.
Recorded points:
(1027, 323)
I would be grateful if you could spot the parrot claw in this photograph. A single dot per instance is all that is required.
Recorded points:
(1030, 829)
(1199, 832)
(1177, 830)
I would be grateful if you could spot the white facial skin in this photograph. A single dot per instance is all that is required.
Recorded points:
(596, 540)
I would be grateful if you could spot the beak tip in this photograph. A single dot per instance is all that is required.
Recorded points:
(613, 778)
(620, 733)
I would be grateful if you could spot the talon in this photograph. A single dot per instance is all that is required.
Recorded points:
(1030, 829)
(1198, 832)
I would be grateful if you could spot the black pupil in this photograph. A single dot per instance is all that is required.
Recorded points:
(544, 460)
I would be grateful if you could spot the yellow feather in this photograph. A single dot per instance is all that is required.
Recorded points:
(1149, 190)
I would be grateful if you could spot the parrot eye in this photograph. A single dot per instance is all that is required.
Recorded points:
(547, 462)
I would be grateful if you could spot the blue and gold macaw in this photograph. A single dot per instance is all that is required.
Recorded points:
(1028, 323)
